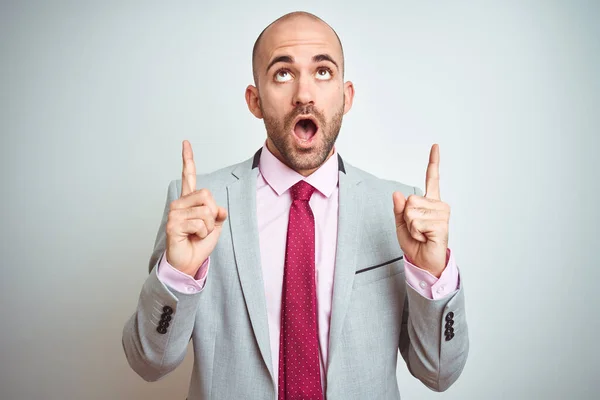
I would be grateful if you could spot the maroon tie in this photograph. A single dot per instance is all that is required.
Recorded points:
(299, 366)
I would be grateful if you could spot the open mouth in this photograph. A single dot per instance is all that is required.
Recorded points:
(305, 129)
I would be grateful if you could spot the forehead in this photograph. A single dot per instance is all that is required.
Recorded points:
(299, 35)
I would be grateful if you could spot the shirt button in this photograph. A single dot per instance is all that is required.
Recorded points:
(191, 289)
(423, 284)
(440, 290)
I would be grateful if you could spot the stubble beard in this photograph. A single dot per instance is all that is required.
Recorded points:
(280, 133)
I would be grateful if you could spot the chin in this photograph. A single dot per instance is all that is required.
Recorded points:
(306, 157)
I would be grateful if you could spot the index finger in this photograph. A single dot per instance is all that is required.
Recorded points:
(432, 179)
(188, 175)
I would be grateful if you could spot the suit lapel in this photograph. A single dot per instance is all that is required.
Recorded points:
(246, 246)
(241, 197)
(351, 202)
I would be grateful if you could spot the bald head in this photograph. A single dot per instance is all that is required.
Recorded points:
(284, 28)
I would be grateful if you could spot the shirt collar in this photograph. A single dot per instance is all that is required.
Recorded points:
(281, 177)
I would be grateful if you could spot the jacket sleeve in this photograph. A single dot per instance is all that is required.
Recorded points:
(156, 336)
(434, 340)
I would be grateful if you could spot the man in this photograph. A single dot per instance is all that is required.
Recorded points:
(295, 274)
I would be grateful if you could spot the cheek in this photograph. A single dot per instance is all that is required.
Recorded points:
(276, 106)
(274, 111)
(333, 100)
(277, 96)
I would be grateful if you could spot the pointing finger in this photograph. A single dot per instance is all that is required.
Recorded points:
(432, 179)
(188, 175)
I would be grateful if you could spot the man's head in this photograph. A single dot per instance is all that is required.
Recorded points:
(300, 93)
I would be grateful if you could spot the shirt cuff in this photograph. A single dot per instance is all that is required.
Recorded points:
(428, 285)
(181, 281)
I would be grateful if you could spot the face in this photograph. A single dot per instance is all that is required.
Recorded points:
(301, 94)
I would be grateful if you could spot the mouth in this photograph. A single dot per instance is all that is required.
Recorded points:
(305, 129)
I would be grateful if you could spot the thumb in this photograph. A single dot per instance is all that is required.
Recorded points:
(221, 216)
(399, 204)
(401, 227)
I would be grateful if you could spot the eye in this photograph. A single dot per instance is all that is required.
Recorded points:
(323, 74)
(282, 75)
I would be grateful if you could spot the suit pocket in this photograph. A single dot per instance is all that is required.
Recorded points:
(378, 272)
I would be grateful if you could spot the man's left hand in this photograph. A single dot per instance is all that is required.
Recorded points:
(422, 222)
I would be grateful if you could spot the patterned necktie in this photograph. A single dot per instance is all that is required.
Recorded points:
(299, 366)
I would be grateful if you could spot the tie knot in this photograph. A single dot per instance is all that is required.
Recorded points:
(302, 191)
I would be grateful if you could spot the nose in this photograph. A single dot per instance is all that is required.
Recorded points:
(304, 93)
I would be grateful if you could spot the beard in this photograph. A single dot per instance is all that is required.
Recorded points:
(280, 133)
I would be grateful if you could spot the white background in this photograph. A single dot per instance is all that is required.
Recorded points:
(96, 99)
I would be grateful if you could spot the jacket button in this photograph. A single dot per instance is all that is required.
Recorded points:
(167, 310)
(449, 316)
(449, 323)
(449, 331)
(162, 330)
(164, 324)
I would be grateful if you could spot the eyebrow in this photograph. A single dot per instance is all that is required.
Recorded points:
(324, 57)
(290, 60)
(283, 59)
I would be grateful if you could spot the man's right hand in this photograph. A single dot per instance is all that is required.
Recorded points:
(195, 221)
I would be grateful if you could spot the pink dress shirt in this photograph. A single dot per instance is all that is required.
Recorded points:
(273, 201)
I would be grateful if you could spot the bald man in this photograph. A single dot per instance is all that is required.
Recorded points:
(295, 274)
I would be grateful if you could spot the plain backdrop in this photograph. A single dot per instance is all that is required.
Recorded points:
(96, 98)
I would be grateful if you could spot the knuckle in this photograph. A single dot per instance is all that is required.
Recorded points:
(414, 226)
(412, 229)
(188, 227)
(169, 228)
(210, 218)
(209, 224)
(416, 212)
(175, 214)
(189, 213)
(204, 212)
(211, 207)
(202, 229)
(412, 200)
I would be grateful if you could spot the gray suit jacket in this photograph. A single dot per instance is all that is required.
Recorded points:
(375, 313)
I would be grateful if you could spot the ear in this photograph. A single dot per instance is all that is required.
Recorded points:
(348, 96)
(253, 101)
